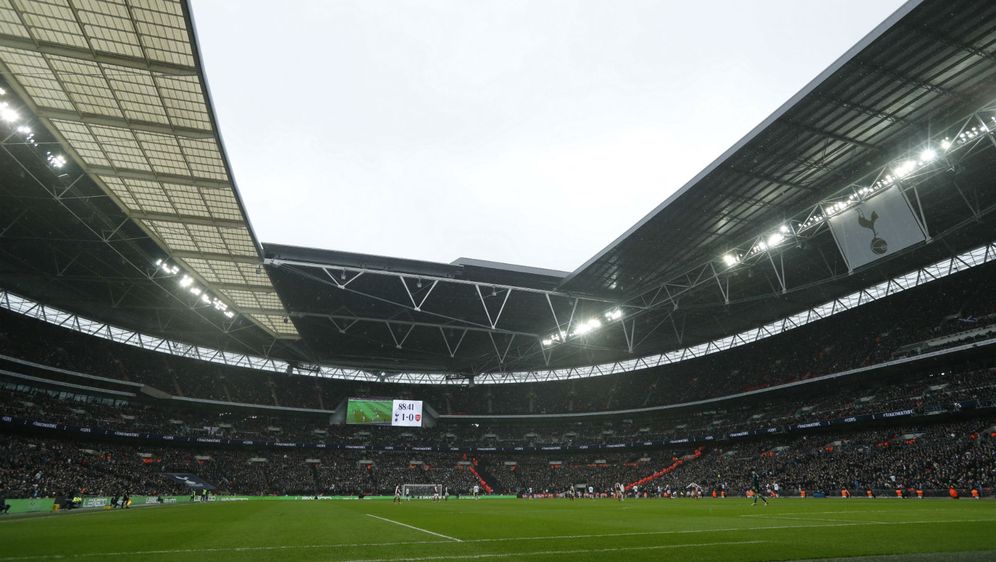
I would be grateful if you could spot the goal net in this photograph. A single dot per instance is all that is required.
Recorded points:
(421, 491)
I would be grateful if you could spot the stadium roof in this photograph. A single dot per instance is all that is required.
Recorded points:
(912, 81)
(923, 68)
(118, 86)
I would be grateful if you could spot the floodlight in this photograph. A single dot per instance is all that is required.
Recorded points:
(55, 160)
(927, 155)
(614, 314)
(730, 260)
(8, 114)
(186, 281)
(904, 168)
(775, 239)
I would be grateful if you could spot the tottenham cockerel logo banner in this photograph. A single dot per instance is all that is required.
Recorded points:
(875, 228)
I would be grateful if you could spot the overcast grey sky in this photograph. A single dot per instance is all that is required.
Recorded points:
(529, 132)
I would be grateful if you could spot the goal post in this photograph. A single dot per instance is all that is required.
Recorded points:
(421, 491)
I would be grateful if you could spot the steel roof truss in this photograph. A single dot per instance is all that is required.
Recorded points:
(398, 344)
(452, 349)
(497, 317)
(343, 328)
(418, 305)
(498, 353)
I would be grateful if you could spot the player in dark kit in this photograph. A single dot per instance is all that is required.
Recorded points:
(755, 486)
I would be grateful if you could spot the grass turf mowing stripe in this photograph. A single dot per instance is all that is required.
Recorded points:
(551, 552)
(454, 539)
(786, 518)
(466, 541)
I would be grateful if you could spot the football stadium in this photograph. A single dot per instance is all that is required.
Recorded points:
(792, 357)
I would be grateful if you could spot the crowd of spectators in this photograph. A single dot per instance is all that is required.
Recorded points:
(948, 312)
(929, 391)
(932, 458)
(556, 473)
(31, 468)
(960, 454)
(41, 467)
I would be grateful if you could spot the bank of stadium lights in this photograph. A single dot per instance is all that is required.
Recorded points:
(57, 161)
(896, 172)
(969, 134)
(10, 115)
(766, 242)
(187, 283)
(584, 328)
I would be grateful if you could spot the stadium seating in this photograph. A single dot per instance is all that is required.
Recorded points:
(933, 457)
(51, 388)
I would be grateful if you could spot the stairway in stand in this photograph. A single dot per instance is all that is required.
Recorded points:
(480, 472)
(666, 470)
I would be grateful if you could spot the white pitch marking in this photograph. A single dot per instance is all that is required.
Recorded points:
(447, 537)
(786, 518)
(549, 552)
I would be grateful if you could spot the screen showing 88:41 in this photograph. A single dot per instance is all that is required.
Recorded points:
(378, 411)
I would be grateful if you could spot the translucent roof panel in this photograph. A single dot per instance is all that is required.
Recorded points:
(221, 272)
(10, 22)
(117, 82)
(36, 76)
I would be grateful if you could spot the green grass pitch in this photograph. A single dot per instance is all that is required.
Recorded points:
(706, 529)
(369, 411)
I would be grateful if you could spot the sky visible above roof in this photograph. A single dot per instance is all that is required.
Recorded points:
(524, 132)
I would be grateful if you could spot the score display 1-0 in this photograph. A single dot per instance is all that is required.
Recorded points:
(406, 413)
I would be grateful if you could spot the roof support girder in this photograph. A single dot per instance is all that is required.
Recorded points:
(99, 57)
(108, 121)
(160, 178)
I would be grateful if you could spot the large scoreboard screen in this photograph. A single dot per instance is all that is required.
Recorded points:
(377, 411)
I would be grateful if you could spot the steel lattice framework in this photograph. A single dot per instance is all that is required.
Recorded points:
(968, 142)
(119, 204)
(919, 277)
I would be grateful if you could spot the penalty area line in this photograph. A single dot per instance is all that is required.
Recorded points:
(421, 530)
